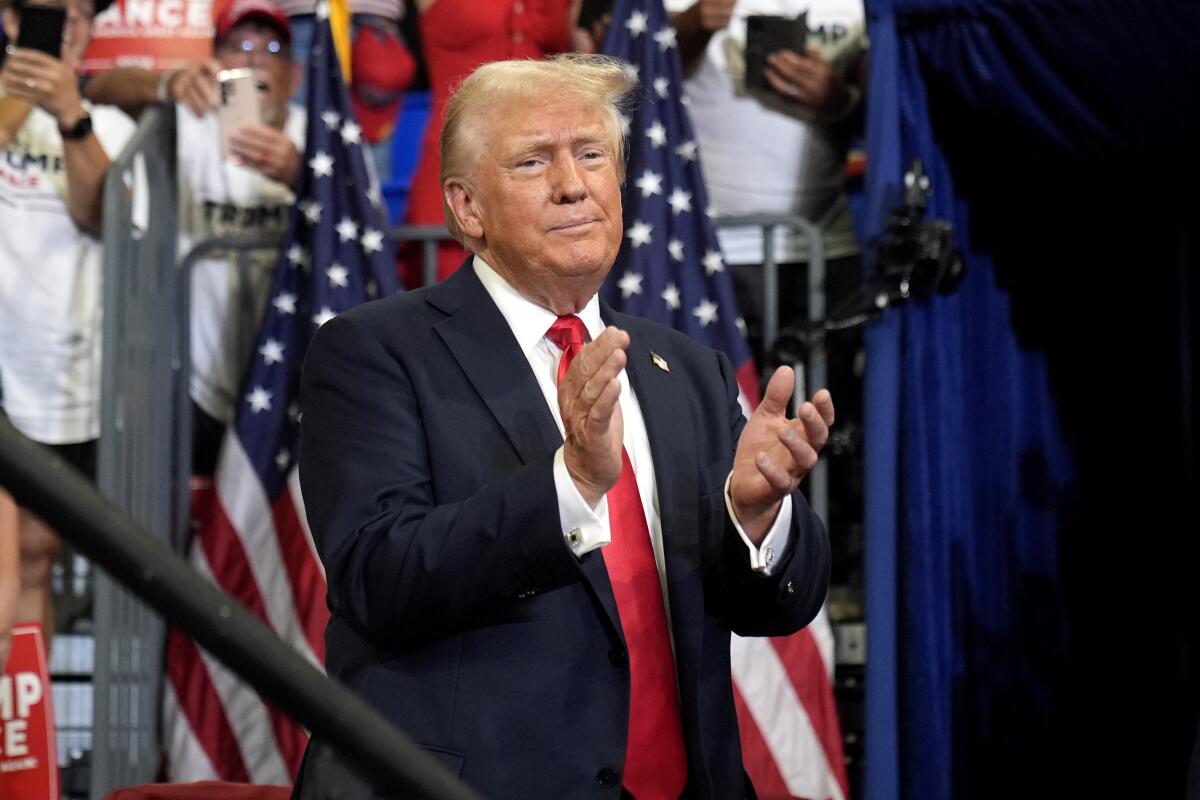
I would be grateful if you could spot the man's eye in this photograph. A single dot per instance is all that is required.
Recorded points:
(593, 155)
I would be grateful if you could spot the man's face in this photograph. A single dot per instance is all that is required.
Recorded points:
(547, 198)
(261, 48)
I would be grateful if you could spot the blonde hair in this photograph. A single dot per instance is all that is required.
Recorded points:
(602, 81)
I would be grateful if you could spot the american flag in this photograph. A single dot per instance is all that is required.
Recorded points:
(670, 270)
(250, 533)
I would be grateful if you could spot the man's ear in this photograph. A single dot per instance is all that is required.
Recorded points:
(460, 199)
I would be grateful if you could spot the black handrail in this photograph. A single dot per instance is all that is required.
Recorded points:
(44, 483)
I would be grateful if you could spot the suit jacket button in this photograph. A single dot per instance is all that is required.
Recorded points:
(608, 777)
(617, 657)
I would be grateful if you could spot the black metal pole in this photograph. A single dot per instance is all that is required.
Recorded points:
(41, 481)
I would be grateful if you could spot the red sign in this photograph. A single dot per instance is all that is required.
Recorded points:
(154, 34)
(28, 753)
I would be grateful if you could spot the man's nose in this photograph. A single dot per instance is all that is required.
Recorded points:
(568, 183)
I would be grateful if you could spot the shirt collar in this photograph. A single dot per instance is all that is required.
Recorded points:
(529, 321)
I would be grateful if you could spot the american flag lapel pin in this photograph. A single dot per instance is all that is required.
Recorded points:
(659, 361)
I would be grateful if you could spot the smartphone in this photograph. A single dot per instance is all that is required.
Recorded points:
(766, 34)
(591, 11)
(237, 104)
(42, 29)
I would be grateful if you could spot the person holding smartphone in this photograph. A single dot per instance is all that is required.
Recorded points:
(52, 170)
(773, 134)
(235, 177)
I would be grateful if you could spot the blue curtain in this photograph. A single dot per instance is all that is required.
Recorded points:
(1019, 516)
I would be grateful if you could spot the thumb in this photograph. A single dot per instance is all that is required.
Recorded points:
(779, 391)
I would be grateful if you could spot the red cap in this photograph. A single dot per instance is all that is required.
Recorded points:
(382, 68)
(264, 11)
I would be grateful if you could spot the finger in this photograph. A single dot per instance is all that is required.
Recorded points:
(790, 63)
(600, 415)
(211, 68)
(823, 401)
(785, 87)
(797, 455)
(813, 426)
(598, 383)
(776, 476)
(30, 58)
(596, 353)
(778, 393)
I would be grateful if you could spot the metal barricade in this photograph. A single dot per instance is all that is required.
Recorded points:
(138, 464)
(429, 237)
(814, 372)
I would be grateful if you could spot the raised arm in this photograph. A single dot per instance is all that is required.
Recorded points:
(133, 88)
(696, 25)
(47, 82)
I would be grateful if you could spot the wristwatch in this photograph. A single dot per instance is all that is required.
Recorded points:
(81, 128)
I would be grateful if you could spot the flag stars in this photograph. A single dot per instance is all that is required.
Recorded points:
(331, 118)
(321, 164)
(665, 38)
(712, 262)
(741, 325)
(686, 151)
(637, 23)
(630, 284)
(372, 241)
(283, 458)
(311, 211)
(662, 87)
(285, 303)
(351, 133)
(323, 316)
(259, 400)
(639, 233)
(297, 256)
(706, 312)
(680, 201)
(272, 352)
(338, 276)
(670, 295)
(347, 230)
(675, 248)
(322, 9)
(657, 134)
(650, 183)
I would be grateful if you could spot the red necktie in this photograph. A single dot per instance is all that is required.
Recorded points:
(655, 760)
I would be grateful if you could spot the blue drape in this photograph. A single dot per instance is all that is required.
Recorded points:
(982, 474)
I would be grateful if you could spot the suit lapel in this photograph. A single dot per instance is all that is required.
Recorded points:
(480, 340)
(483, 345)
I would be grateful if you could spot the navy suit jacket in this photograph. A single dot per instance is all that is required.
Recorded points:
(457, 608)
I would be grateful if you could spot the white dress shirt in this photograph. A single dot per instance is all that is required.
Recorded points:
(586, 528)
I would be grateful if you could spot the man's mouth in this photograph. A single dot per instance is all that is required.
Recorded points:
(573, 224)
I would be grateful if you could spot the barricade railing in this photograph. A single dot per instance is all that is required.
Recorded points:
(428, 237)
(138, 456)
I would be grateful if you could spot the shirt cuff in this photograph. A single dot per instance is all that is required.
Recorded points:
(584, 528)
(764, 557)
